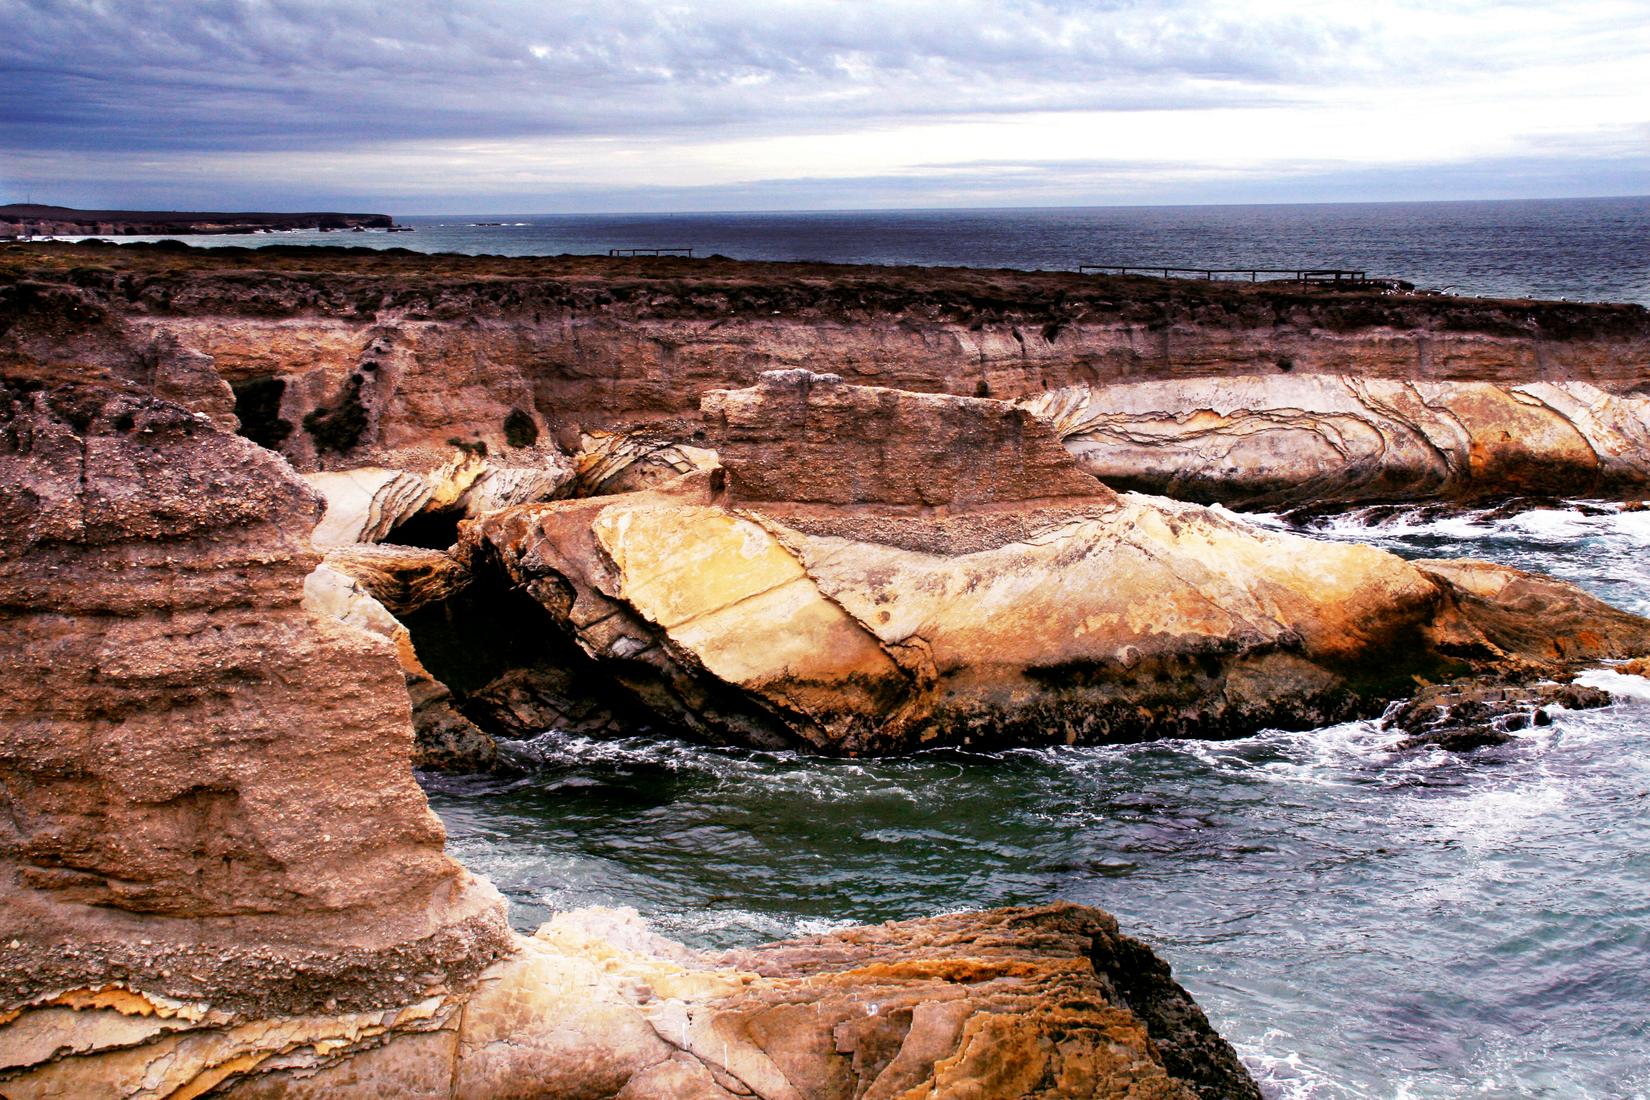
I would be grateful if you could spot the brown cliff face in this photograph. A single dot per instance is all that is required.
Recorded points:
(205, 786)
(810, 439)
(344, 360)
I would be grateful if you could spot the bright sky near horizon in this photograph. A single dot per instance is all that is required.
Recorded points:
(420, 106)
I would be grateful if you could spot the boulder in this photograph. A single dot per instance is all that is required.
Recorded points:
(811, 438)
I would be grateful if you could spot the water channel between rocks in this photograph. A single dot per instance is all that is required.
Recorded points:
(1359, 922)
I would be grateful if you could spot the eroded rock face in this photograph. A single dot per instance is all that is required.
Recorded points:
(811, 438)
(1282, 439)
(370, 504)
(205, 786)
(1052, 1002)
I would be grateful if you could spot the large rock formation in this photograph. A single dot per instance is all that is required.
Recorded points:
(1280, 439)
(206, 787)
(217, 876)
(1052, 609)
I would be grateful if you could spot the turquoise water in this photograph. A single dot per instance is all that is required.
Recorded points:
(1584, 249)
(1360, 922)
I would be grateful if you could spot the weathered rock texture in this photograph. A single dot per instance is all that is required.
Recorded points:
(878, 625)
(370, 504)
(1050, 1003)
(809, 438)
(204, 787)
(342, 360)
(1281, 439)
(1473, 714)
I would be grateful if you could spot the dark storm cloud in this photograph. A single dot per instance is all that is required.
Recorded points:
(260, 74)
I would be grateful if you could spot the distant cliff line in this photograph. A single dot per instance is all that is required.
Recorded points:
(40, 220)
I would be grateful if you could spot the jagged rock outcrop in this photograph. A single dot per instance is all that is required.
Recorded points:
(888, 623)
(1282, 439)
(205, 786)
(1473, 714)
(1052, 1002)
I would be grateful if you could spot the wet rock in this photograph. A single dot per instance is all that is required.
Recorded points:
(1473, 714)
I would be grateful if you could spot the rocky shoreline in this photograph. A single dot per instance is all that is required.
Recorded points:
(277, 527)
(40, 220)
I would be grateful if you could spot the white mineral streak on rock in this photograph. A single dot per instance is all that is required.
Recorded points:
(364, 505)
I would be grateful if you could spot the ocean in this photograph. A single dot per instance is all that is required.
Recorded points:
(1581, 249)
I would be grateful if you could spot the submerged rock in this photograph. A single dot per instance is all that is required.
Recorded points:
(870, 618)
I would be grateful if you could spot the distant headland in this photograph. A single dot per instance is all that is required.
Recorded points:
(35, 219)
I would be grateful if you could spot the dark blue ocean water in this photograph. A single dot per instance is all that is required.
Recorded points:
(1587, 249)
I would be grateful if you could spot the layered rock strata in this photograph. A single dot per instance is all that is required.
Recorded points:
(1050, 609)
(1049, 1003)
(1276, 440)
(205, 785)
(343, 361)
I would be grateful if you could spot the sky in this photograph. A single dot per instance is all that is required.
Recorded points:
(546, 106)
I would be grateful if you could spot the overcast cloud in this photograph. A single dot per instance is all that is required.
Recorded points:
(420, 106)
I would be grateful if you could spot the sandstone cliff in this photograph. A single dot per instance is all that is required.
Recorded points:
(169, 705)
